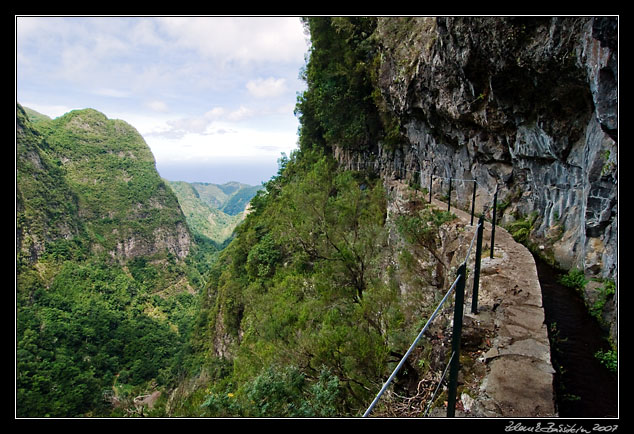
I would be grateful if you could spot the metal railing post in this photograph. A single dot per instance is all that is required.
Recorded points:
(495, 205)
(449, 200)
(411, 348)
(455, 344)
(473, 200)
(476, 273)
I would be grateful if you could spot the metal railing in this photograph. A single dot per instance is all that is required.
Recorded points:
(411, 348)
(417, 173)
(458, 286)
(473, 200)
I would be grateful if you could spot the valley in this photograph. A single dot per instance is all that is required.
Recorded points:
(213, 210)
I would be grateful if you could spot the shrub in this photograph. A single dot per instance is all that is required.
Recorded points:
(574, 279)
(608, 359)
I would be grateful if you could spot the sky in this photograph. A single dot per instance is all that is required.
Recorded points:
(213, 97)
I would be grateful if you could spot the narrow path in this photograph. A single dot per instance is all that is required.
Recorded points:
(512, 374)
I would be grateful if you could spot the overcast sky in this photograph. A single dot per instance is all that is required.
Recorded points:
(213, 97)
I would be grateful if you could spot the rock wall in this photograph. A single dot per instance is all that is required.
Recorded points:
(526, 105)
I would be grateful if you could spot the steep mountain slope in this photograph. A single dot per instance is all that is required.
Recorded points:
(127, 209)
(106, 268)
(524, 104)
(230, 198)
(47, 208)
(240, 198)
(327, 281)
(527, 106)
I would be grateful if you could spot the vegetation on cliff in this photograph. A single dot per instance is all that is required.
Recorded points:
(342, 106)
(293, 285)
(97, 323)
(304, 312)
(122, 291)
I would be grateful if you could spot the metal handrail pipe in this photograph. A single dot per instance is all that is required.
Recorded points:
(411, 348)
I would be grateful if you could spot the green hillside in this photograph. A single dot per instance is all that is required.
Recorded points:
(298, 298)
(106, 269)
(301, 315)
(230, 198)
(305, 311)
(35, 116)
(239, 200)
(127, 207)
(202, 205)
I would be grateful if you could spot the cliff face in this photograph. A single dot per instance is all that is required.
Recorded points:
(84, 175)
(46, 208)
(526, 105)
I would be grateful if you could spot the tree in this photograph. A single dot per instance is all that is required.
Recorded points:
(335, 221)
(338, 106)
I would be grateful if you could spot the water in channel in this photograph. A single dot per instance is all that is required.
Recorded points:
(584, 388)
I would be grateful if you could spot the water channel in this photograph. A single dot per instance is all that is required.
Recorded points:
(584, 388)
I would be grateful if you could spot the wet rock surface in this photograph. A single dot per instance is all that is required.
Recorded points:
(528, 105)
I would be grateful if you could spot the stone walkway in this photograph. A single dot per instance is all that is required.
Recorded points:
(511, 373)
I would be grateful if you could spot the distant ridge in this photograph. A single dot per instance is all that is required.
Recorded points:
(213, 210)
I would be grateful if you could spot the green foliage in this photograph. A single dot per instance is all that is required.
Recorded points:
(340, 105)
(605, 293)
(608, 358)
(521, 229)
(575, 278)
(46, 207)
(86, 328)
(85, 317)
(422, 228)
(286, 393)
(263, 257)
(278, 392)
(303, 287)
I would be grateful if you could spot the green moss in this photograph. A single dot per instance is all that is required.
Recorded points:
(521, 229)
(606, 292)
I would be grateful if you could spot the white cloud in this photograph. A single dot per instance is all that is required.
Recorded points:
(157, 106)
(227, 144)
(206, 83)
(242, 39)
(218, 120)
(183, 126)
(144, 32)
(267, 88)
(240, 114)
(138, 56)
(114, 93)
(215, 112)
